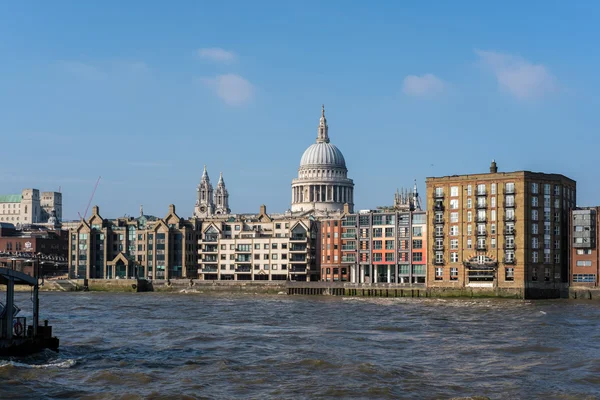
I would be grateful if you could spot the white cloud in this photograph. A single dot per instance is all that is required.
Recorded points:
(424, 85)
(231, 88)
(83, 71)
(217, 54)
(518, 76)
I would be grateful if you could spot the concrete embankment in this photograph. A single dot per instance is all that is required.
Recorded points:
(584, 293)
(297, 288)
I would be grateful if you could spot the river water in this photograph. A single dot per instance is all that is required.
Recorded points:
(156, 345)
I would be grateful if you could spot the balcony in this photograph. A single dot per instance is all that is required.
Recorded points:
(481, 247)
(481, 206)
(243, 268)
(438, 195)
(210, 248)
(297, 258)
(209, 259)
(479, 218)
(439, 206)
(209, 269)
(510, 191)
(348, 223)
(438, 247)
(298, 269)
(348, 259)
(509, 260)
(481, 233)
(509, 218)
(348, 247)
(510, 205)
(246, 260)
(295, 248)
(211, 238)
(510, 246)
(438, 221)
(240, 249)
(510, 232)
(298, 238)
(480, 193)
(348, 235)
(439, 234)
(439, 261)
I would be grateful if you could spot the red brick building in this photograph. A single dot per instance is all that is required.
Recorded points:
(332, 269)
(584, 247)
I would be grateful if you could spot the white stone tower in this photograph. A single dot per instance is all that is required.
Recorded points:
(221, 198)
(204, 205)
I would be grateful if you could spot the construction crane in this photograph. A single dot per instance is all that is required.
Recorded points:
(91, 198)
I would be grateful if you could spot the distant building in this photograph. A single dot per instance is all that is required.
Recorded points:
(211, 203)
(322, 184)
(31, 207)
(146, 246)
(500, 230)
(585, 246)
(257, 247)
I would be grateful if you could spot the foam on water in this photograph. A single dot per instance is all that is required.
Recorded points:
(56, 364)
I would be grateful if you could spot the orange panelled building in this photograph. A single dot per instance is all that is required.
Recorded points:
(332, 269)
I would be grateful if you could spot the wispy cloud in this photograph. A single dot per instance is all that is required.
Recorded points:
(216, 54)
(424, 85)
(83, 70)
(231, 88)
(518, 76)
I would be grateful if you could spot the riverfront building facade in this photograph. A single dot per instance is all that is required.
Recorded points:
(499, 230)
(585, 247)
(387, 245)
(144, 247)
(256, 247)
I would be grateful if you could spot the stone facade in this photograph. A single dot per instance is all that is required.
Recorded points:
(257, 247)
(143, 247)
(211, 202)
(506, 230)
(584, 247)
(31, 207)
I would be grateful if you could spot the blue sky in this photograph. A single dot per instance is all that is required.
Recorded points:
(145, 93)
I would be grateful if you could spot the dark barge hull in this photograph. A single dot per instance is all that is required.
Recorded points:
(23, 347)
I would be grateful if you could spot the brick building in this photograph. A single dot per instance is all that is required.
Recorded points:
(584, 246)
(500, 231)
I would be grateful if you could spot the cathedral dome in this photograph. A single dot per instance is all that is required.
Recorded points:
(323, 154)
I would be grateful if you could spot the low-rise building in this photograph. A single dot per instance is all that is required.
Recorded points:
(31, 207)
(156, 248)
(585, 247)
(257, 247)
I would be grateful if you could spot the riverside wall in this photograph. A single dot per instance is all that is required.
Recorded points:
(312, 288)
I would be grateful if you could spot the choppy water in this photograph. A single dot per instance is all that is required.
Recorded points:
(156, 346)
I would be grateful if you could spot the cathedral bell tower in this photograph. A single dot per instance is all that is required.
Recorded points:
(221, 198)
(204, 205)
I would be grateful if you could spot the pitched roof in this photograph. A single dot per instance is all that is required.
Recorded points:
(10, 198)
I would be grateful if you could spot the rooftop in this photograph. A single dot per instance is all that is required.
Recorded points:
(10, 198)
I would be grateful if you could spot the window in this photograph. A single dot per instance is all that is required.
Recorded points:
(534, 229)
(509, 274)
(417, 244)
(546, 188)
(469, 203)
(556, 258)
(534, 201)
(469, 244)
(509, 188)
(416, 256)
(556, 203)
(534, 215)
(453, 274)
(454, 191)
(377, 232)
(377, 219)
(439, 273)
(237, 227)
(493, 202)
(546, 274)
(265, 256)
(584, 251)
(534, 188)
(376, 256)
(389, 244)
(469, 230)
(493, 188)
(469, 216)
(417, 231)
(232, 247)
(584, 263)
(389, 232)
(439, 192)
(454, 230)
(534, 256)
(534, 276)
(266, 266)
(584, 278)
(454, 204)
(493, 229)
(454, 217)
(493, 243)
(266, 246)
(454, 244)
(389, 257)
(469, 190)
(534, 243)
(454, 257)
(377, 244)
(481, 189)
